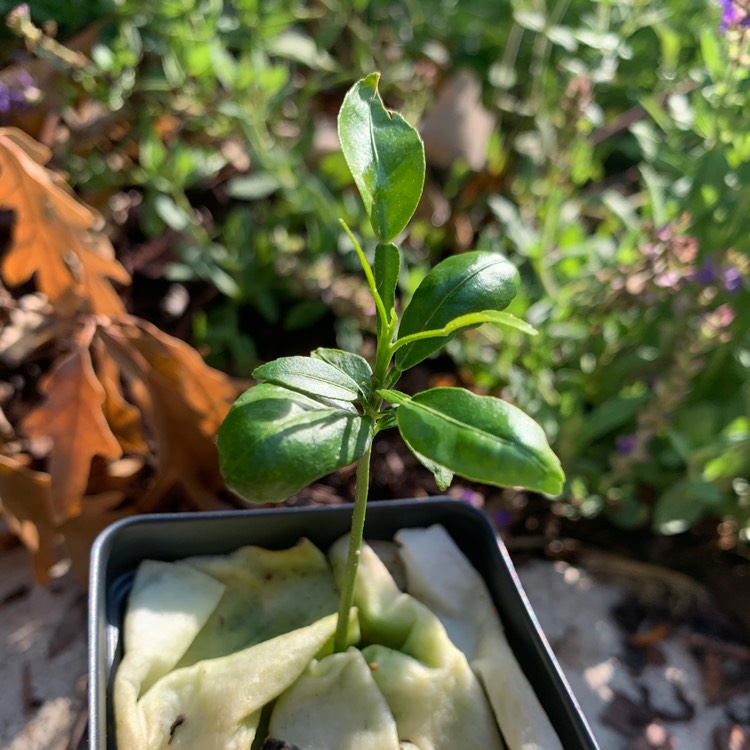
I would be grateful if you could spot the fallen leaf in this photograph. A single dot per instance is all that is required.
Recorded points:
(184, 401)
(123, 417)
(26, 503)
(72, 417)
(187, 456)
(208, 391)
(52, 238)
(650, 637)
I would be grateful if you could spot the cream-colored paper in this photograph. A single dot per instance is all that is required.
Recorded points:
(267, 593)
(188, 635)
(441, 577)
(435, 698)
(168, 605)
(335, 705)
(216, 703)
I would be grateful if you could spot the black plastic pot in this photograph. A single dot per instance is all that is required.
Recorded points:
(120, 548)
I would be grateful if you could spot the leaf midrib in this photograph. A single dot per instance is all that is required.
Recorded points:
(452, 292)
(463, 425)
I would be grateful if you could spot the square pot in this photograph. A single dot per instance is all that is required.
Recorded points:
(120, 548)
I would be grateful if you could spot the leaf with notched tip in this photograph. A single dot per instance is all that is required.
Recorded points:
(385, 155)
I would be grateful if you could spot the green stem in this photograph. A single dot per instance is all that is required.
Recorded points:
(384, 353)
(368, 274)
(355, 550)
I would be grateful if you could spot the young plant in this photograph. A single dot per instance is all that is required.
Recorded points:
(312, 415)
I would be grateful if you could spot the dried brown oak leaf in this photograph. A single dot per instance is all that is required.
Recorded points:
(208, 391)
(26, 504)
(123, 417)
(52, 236)
(72, 417)
(183, 400)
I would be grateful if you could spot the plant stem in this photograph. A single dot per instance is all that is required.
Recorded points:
(355, 550)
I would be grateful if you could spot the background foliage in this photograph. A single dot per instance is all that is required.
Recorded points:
(602, 146)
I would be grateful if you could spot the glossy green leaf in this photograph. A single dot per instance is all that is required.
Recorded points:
(387, 420)
(474, 282)
(480, 438)
(355, 367)
(386, 269)
(385, 156)
(313, 376)
(443, 477)
(274, 442)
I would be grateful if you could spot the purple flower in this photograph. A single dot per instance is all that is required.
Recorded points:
(730, 14)
(706, 274)
(15, 96)
(732, 279)
(625, 444)
(24, 79)
(734, 13)
(503, 518)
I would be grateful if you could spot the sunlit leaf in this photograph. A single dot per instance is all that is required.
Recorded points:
(72, 417)
(356, 367)
(274, 442)
(52, 238)
(385, 155)
(480, 438)
(310, 375)
(472, 282)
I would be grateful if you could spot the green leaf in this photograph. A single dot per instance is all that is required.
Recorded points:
(387, 419)
(471, 320)
(252, 187)
(531, 20)
(312, 376)
(480, 438)
(171, 214)
(474, 282)
(355, 367)
(385, 156)
(683, 504)
(386, 269)
(607, 417)
(395, 397)
(523, 236)
(443, 477)
(711, 50)
(274, 442)
(299, 47)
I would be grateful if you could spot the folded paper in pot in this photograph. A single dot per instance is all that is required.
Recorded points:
(441, 577)
(254, 629)
(275, 607)
(427, 682)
